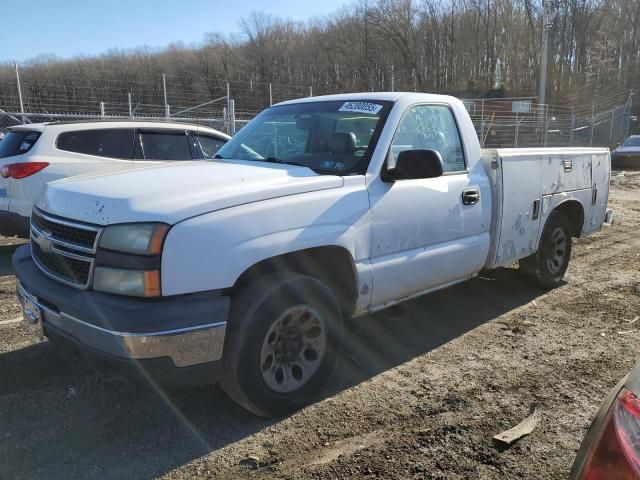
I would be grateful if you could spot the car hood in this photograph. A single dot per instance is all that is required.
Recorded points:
(174, 192)
(627, 150)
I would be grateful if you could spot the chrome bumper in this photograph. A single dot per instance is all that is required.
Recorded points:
(185, 347)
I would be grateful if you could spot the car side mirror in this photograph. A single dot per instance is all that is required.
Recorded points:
(415, 164)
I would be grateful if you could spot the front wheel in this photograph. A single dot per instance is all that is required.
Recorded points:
(548, 265)
(282, 341)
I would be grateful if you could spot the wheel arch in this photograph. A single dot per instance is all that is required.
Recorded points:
(332, 264)
(573, 210)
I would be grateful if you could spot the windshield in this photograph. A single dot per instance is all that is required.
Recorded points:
(631, 142)
(328, 137)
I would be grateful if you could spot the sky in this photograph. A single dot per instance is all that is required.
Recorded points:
(71, 27)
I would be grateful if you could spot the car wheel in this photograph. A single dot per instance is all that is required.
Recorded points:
(548, 265)
(281, 344)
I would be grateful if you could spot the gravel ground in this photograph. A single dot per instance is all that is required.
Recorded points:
(419, 392)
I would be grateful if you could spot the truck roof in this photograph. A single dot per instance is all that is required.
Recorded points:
(382, 96)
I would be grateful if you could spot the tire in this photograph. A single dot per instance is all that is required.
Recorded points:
(281, 343)
(548, 265)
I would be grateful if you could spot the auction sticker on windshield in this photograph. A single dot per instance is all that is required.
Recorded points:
(360, 107)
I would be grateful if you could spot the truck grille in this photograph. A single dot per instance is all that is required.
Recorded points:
(63, 249)
(69, 269)
(64, 232)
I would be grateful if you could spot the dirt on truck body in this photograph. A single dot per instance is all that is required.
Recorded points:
(419, 391)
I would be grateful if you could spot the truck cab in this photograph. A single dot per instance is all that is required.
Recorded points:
(244, 269)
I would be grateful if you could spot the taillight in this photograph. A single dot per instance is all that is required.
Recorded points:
(616, 453)
(627, 417)
(22, 170)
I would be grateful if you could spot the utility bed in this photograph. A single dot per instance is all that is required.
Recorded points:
(528, 183)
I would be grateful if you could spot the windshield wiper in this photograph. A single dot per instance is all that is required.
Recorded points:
(281, 161)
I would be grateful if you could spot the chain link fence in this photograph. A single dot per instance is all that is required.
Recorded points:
(229, 105)
(522, 123)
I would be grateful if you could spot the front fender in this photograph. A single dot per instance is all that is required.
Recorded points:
(211, 251)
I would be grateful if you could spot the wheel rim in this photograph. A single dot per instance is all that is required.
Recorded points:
(557, 251)
(293, 349)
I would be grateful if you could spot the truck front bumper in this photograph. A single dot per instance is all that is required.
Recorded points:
(175, 340)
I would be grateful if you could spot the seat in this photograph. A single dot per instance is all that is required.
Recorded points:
(343, 142)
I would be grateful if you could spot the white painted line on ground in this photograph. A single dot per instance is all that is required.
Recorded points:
(13, 320)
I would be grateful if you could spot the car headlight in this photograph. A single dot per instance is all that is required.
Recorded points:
(135, 283)
(135, 238)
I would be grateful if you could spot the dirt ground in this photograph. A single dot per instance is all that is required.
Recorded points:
(418, 393)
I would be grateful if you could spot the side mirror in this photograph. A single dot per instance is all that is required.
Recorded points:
(414, 164)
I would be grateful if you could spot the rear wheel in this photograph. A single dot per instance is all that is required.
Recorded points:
(283, 337)
(548, 265)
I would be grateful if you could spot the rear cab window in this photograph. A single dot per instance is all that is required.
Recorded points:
(105, 142)
(18, 142)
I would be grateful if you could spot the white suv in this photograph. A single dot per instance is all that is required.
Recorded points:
(33, 155)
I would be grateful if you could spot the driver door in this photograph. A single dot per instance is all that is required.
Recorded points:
(426, 233)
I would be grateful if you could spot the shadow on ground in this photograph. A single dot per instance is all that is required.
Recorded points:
(5, 257)
(60, 419)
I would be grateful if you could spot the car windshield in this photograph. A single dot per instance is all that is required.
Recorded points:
(328, 137)
(631, 142)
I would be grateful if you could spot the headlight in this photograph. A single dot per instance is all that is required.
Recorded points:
(135, 238)
(135, 283)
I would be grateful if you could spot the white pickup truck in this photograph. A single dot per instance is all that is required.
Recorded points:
(243, 269)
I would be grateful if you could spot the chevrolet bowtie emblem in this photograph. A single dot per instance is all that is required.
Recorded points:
(44, 242)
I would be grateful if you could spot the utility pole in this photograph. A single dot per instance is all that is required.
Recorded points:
(232, 117)
(629, 113)
(164, 91)
(572, 128)
(393, 78)
(546, 26)
(20, 94)
(593, 122)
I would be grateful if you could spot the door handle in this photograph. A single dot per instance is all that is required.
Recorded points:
(470, 196)
(568, 165)
(536, 210)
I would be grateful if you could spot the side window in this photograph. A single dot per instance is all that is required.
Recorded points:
(210, 145)
(432, 127)
(105, 142)
(158, 145)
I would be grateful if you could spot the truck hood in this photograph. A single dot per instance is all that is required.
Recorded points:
(173, 192)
